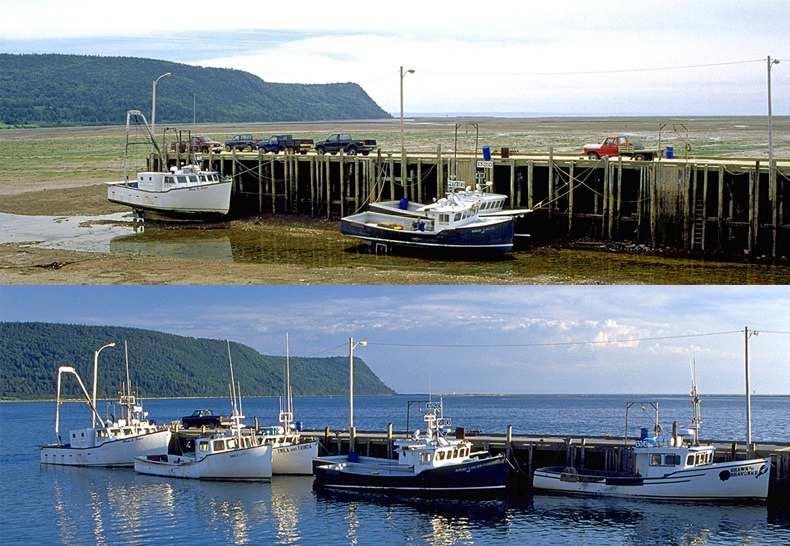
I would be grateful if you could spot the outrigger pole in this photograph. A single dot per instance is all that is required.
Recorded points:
(71, 370)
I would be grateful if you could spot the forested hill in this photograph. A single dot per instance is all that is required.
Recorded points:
(79, 89)
(161, 364)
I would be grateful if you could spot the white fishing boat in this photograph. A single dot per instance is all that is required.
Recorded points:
(291, 454)
(452, 222)
(228, 455)
(428, 464)
(114, 442)
(678, 467)
(490, 204)
(186, 193)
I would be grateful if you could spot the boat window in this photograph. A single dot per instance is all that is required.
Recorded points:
(455, 453)
(193, 178)
(655, 459)
(700, 458)
(672, 460)
(441, 455)
(127, 431)
(168, 180)
(203, 446)
(690, 460)
(219, 445)
(443, 218)
(231, 444)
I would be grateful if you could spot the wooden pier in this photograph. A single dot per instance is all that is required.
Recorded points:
(528, 452)
(705, 206)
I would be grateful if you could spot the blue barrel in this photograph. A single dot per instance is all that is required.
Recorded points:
(353, 457)
(403, 204)
(669, 152)
(486, 153)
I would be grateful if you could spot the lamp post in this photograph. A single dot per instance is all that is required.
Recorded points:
(96, 378)
(153, 100)
(746, 335)
(351, 346)
(402, 140)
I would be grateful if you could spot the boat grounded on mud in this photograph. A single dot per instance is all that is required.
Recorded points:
(227, 456)
(671, 469)
(428, 464)
(115, 442)
(187, 193)
(453, 222)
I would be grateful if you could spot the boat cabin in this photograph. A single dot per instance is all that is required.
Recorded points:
(177, 178)
(218, 444)
(90, 437)
(432, 449)
(655, 459)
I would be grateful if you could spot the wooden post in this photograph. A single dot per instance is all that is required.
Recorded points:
(720, 209)
(773, 193)
(352, 439)
(389, 440)
(312, 186)
(530, 172)
(551, 180)
(419, 180)
(274, 185)
(328, 188)
(356, 184)
(639, 203)
(618, 206)
(605, 197)
(756, 214)
(750, 204)
(439, 171)
(260, 181)
(704, 205)
(296, 184)
(512, 183)
(570, 197)
(342, 185)
(689, 215)
(653, 181)
(326, 439)
(392, 176)
(286, 182)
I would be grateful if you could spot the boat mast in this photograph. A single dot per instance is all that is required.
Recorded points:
(128, 383)
(696, 418)
(234, 402)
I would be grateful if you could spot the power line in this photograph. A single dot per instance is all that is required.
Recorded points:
(554, 344)
(592, 72)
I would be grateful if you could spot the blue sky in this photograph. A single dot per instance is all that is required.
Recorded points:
(468, 56)
(320, 319)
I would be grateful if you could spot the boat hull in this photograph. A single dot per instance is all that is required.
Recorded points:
(732, 481)
(495, 236)
(484, 477)
(121, 452)
(248, 464)
(294, 459)
(185, 203)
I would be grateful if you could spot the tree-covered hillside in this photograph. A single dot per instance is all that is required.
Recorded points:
(78, 89)
(161, 364)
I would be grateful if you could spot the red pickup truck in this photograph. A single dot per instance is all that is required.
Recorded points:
(620, 145)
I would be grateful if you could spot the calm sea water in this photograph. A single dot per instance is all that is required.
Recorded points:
(41, 504)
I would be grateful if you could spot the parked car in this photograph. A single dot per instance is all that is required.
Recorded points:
(343, 142)
(200, 144)
(204, 418)
(242, 143)
(620, 145)
(288, 143)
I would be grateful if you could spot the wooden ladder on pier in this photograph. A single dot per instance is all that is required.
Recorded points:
(698, 228)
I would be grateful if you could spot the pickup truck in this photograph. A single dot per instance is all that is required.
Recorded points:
(199, 144)
(620, 145)
(288, 143)
(241, 143)
(204, 418)
(346, 144)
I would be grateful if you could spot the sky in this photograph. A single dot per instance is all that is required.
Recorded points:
(320, 320)
(566, 57)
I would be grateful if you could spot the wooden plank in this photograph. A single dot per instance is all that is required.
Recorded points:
(260, 181)
(530, 173)
(356, 184)
(419, 181)
(312, 186)
(512, 183)
(704, 204)
(720, 208)
(551, 180)
(639, 203)
(273, 185)
(391, 166)
(653, 175)
(570, 196)
(619, 194)
(328, 187)
(605, 198)
(296, 184)
(756, 214)
(342, 185)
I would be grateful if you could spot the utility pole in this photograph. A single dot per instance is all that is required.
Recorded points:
(771, 166)
(351, 346)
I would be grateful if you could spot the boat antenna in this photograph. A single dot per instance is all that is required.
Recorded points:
(286, 407)
(232, 383)
(696, 418)
(128, 383)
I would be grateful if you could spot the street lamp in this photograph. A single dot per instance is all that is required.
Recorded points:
(153, 100)
(95, 377)
(746, 335)
(351, 346)
(402, 142)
